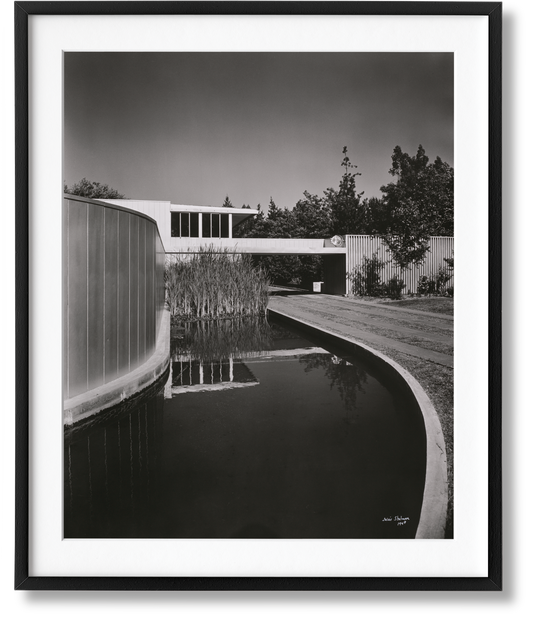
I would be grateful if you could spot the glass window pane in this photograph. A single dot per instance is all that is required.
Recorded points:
(206, 225)
(184, 225)
(175, 224)
(194, 224)
(216, 224)
(224, 225)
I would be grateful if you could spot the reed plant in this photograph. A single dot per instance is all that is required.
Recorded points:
(215, 284)
(222, 338)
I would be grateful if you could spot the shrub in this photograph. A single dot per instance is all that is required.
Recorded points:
(450, 262)
(449, 291)
(394, 287)
(366, 278)
(426, 285)
(215, 284)
(441, 278)
(434, 284)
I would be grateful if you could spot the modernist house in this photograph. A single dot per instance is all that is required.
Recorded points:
(115, 322)
(187, 227)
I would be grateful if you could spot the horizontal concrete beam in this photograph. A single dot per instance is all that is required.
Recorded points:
(209, 209)
(254, 246)
(262, 356)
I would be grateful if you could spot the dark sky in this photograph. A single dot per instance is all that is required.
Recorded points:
(193, 127)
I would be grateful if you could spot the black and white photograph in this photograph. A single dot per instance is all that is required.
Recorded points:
(258, 295)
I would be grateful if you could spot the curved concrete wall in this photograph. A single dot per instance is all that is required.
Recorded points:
(114, 292)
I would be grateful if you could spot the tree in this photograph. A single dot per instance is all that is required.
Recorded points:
(337, 212)
(253, 227)
(346, 210)
(418, 205)
(227, 203)
(91, 189)
(280, 222)
(374, 220)
(311, 218)
(283, 223)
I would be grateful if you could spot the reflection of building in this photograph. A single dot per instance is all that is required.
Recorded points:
(191, 375)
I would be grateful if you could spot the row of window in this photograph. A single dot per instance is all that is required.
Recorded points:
(187, 224)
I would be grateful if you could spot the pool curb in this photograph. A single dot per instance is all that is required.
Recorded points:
(432, 522)
(110, 394)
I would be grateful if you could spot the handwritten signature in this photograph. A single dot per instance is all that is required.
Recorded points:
(399, 520)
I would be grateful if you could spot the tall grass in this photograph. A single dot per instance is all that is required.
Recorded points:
(214, 284)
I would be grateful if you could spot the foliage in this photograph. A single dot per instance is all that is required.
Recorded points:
(313, 217)
(251, 227)
(221, 338)
(425, 285)
(227, 203)
(441, 279)
(280, 269)
(435, 284)
(374, 221)
(366, 278)
(306, 220)
(418, 205)
(394, 287)
(91, 189)
(450, 262)
(346, 211)
(349, 379)
(215, 284)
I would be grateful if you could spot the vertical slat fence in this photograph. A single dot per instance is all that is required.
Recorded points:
(359, 246)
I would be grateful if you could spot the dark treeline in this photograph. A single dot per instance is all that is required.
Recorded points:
(415, 205)
(91, 189)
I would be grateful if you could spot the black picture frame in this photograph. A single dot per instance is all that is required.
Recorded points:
(23, 581)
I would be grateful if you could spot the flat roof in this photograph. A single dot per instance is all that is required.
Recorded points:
(212, 209)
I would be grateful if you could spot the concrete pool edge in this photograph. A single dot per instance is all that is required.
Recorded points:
(432, 523)
(113, 393)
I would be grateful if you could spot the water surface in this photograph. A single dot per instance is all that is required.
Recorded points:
(256, 432)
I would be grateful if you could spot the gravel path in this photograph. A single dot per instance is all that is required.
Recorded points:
(419, 334)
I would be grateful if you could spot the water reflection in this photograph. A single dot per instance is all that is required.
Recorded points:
(205, 355)
(109, 473)
(315, 447)
(221, 339)
(348, 378)
(215, 355)
(190, 375)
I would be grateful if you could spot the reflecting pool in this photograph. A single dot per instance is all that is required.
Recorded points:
(256, 431)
